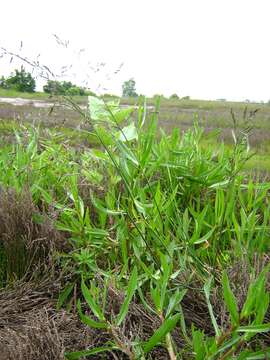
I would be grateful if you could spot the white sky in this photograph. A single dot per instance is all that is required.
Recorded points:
(206, 49)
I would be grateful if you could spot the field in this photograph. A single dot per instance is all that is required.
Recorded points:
(134, 233)
(181, 114)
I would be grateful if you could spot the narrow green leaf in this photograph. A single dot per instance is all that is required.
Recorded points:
(175, 299)
(142, 208)
(78, 354)
(262, 309)
(203, 238)
(146, 305)
(207, 288)
(198, 344)
(230, 299)
(91, 302)
(167, 326)
(228, 344)
(219, 184)
(88, 321)
(130, 292)
(102, 209)
(250, 301)
(254, 328)
(255, 291)
(259, 355)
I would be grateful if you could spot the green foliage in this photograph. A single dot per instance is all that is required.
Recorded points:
(2, 82)
(162, 216)
(235, 340)
(55, 87)
(174, 97)
(21, 81)
(129, 88)
(158, 96)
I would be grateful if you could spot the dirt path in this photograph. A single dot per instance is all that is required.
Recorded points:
(21, 102)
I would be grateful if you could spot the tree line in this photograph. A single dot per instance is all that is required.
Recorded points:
(23, 81)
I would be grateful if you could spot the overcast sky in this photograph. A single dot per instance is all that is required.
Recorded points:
(206, 49)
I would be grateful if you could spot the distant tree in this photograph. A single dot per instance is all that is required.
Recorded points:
(55, 87)
(185, 98)
(66, 86)
(2, 82)
(128, 88)
(73, 90)
(174, 97)
(20, 81)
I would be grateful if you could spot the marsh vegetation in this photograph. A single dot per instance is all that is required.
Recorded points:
(122, 237)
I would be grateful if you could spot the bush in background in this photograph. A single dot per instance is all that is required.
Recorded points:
(174, 97)
(55, 87)
(20, 81)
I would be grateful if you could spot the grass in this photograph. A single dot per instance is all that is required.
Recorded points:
(37, 95)
(158, 242)
(14, 117)
(23, 95)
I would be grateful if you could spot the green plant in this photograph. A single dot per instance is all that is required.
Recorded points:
(174, 97)
(128, 88)
(148, 217)
(136, 349)
(245, 324)
(154, 218)
(20, 81)
(55, 87)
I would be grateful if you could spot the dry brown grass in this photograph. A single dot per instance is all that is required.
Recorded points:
(27, 246)
(31, 328)
(38, 339)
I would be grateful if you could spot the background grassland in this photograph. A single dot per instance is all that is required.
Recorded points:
(181, 114)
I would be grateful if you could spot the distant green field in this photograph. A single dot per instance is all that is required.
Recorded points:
(24, 95)
(181, 114)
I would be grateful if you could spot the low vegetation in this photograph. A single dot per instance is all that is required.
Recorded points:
(146, 245)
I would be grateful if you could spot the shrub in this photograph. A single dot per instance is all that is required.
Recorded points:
(55, 87)
(52, 87)
(20, 81)
(174, 97)
(74, 90)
